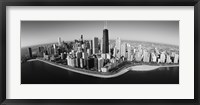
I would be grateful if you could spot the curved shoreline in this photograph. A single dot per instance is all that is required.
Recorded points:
(105, 75)
(149, 67)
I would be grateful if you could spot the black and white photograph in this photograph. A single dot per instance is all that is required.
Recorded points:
(99, 52)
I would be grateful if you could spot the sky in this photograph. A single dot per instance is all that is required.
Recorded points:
(41, 32)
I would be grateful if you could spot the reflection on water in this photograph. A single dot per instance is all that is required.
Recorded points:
(37, 72)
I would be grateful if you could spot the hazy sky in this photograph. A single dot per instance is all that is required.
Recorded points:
(39, 32)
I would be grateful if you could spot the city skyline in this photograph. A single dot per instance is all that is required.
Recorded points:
(166, 32)
(101, 58)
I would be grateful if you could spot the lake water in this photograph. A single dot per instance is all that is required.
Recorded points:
(37, 72)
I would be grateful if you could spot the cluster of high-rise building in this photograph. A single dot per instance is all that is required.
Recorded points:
(142, 54)
(100, 55)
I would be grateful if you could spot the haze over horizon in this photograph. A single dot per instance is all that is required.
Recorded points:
(41, 32)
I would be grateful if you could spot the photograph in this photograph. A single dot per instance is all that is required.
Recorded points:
(99, 51)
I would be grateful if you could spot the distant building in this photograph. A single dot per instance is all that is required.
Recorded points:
(123, 49)
(46, 57)
(64, 55)
(81, 39)
(95, 45)
(83, 46)
(103, 56)
(59, 51)
(30, 52)
(75, 47)
(55, 49)
(176, 58)
(139, 54)
(114, 52)
(101, 45)
(168, 60)
(110, 48)
(81, 62)
(153, 57)
(73, 53)
(59, 41)
(108, 56)
(84, 55)
(95, 63)
(132, 58)
(91, 46)
(173, 54)
(48, 49)
(100, 63)
(89, 52)
(79, 49)
(104, 69)
(157, 51)
(162, 57)
(69, 61)
(146, 56)
(73, 62)
(159, 61)
(118, 47)
(129, 52)
(113, 60)
(61, 55)
(79, 54)
(41, 50)
(90, 63)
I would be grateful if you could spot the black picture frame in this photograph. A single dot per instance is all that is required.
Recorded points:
(4, 3)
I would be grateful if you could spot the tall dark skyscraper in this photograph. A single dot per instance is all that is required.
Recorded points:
(91, 46)
(30, 52)
(81, 39)
(105, 43)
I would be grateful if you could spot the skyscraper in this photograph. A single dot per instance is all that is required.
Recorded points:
(118, 47)
(88, 52)
(105, 45)
(54, 48)
(95, 63)
(115, 52)
(124, 49)
(129, 52)
(162, 57)
(176, 58)
(168, 59)
(146, 55)
(90, 63)
(95, 45)
(100, 63)
(91, 46)
(30, 52)
(81, 39)
(139, 54)
(101, 45)
(59, 41)
(154, 58)
(81, 62)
